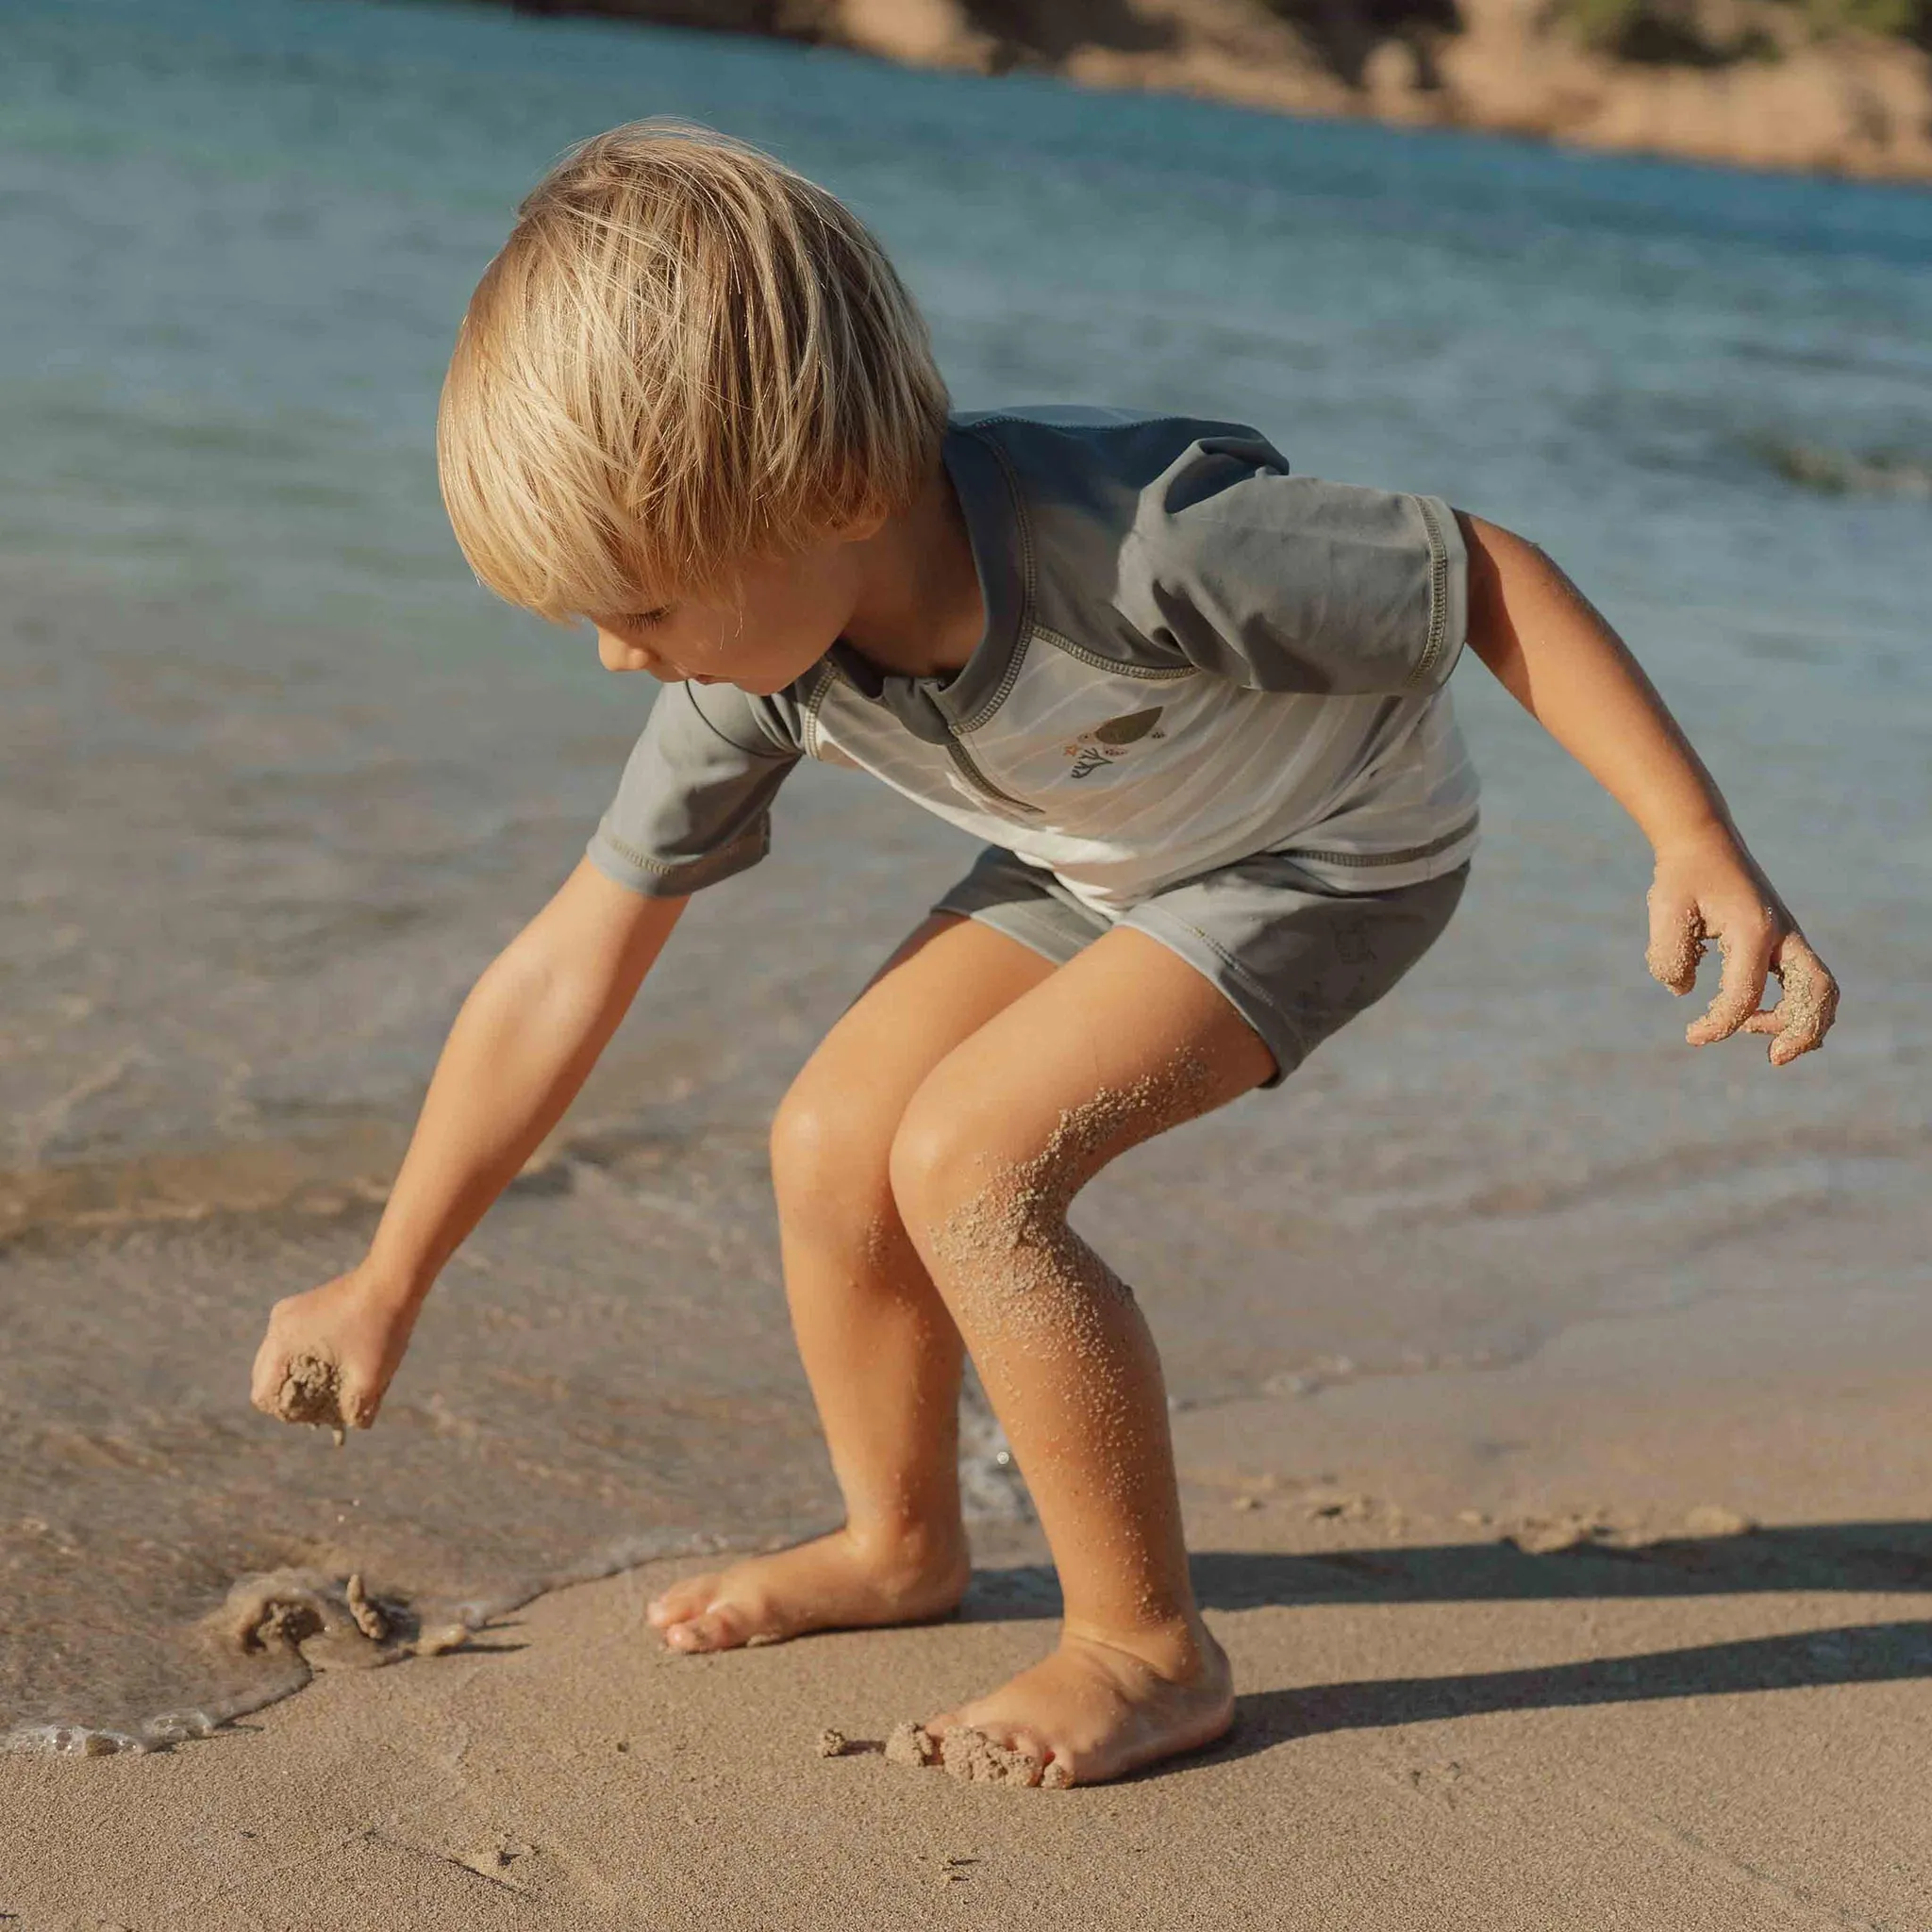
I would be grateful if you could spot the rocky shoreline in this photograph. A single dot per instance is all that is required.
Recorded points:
(1752, 83)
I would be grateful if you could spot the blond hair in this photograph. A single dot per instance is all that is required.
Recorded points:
(685, 357)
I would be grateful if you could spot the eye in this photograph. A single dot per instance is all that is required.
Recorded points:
(647, 620)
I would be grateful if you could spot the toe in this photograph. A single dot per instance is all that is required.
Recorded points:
(682, 1601)
(715, 1628)
(1027, 1758)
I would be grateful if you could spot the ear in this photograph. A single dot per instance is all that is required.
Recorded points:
(862, 528)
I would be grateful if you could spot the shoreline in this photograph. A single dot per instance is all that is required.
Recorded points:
(1749, 87)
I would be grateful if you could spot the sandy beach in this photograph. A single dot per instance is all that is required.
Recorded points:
(1509, 1656)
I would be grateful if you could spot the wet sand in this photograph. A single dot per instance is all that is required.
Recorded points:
(1706, 1710)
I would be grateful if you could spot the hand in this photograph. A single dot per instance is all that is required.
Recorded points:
(343, 1340)
(1711, 889)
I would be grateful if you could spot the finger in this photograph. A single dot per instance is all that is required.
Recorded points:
(265, 1379)
(1747, 959)
(1810, 1003)
(1676, 943)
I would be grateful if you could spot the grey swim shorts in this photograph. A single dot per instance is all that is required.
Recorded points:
(1293, 958)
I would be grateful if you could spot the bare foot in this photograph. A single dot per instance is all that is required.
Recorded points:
(832, 1583)
(1089, 1712)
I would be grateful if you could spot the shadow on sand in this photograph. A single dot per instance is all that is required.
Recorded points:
(1864, 1558)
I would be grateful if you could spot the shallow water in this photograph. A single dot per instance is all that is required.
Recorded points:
(278, 780)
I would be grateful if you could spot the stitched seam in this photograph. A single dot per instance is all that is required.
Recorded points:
(1152, 673)
(1438, 594)
(666, 867)
(810, 734)
(964, 761)
(1024, 628)
(1428, 851)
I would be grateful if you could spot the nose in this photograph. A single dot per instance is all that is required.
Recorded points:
(618, 654)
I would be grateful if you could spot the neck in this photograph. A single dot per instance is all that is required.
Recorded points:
(920, 612)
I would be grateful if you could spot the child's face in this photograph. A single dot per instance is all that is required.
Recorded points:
(788, 613)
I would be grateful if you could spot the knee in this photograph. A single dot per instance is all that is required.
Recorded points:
(828, 1153)
(954, 1158)
(985, 1205)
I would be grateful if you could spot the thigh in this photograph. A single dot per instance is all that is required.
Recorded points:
(1122, 1042)
(945, 981)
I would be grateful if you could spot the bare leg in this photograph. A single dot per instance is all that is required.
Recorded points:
(1123, 1041)
(882, 1354)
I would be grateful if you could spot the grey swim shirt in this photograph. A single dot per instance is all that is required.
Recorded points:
(1190, 656)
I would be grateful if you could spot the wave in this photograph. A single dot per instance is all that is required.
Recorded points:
(1847, 472)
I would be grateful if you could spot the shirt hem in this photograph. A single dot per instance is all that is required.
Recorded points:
(659, 878)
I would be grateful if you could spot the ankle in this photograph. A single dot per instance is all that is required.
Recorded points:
(1181, 1649)
(909, 1549)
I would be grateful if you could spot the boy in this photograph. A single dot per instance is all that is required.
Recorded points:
(1196, 707)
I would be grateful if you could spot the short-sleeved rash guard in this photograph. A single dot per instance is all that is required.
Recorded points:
(1190, 656)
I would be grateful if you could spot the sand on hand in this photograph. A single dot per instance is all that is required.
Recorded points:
(312, 1393)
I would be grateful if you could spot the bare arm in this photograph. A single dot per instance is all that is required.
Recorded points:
(1570, 671)
(522, 1046)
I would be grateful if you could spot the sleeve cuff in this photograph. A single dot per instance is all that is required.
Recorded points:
(1448, 619)
(659, 878)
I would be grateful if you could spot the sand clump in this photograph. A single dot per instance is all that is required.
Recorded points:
(328, 1623)
(911, 1745)
(832, 1742)
(975, 1758)
(280, 1610)
(369, 1617)
(971, 1756)
(280, 1622)
(312, 1393)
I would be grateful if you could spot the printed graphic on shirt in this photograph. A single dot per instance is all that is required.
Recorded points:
(1099, 747)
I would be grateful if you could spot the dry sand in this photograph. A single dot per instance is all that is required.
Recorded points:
(1632, 1635)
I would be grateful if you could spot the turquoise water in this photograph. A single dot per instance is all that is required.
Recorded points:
(278, 778)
